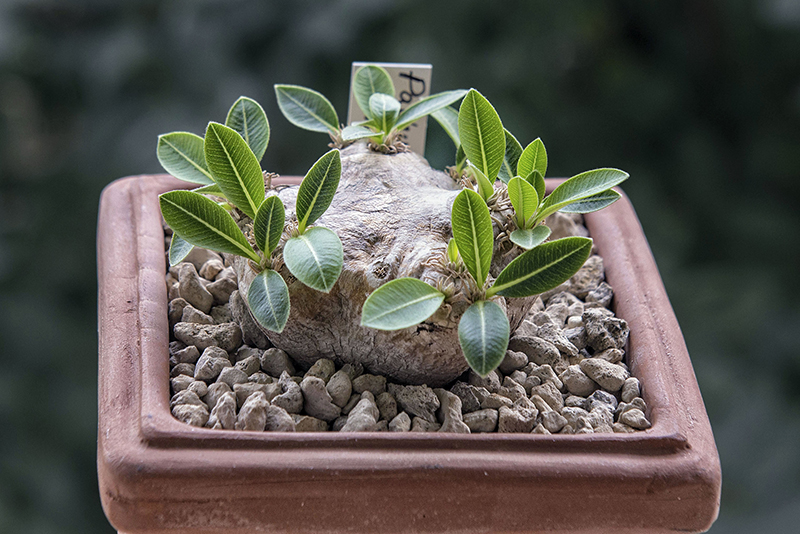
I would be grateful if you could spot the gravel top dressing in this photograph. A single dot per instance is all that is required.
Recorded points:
(564, 371)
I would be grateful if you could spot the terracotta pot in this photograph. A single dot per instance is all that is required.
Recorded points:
(158, 475)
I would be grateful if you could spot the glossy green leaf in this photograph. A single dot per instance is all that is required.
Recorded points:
(485, 187)
(513, 151)
(472, 230)
(181, 154)
(452, 250)
(400, 304)
(317, 189)
(447, 118)
(203, 223)
(524, 199)
(542, 268)
(593, 203)
(369, 80)
(268, 224)
(179, 248)
(483, 334)
(530, 237)
(306, 108)
(429, 105)
(234, 167)
(247, 118)
(384, 110)
(268, 300)
(315, 258)
(482, 134)
(212, 189)
(533, 158)
(537, 181)
(580, 187)
(354, 133)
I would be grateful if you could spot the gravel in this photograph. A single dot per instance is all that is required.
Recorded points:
(340, 388)
(364, 416)
(564, 371)
(482, 420)
(400, 423)
(317, 402)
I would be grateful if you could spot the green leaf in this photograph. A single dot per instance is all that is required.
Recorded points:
(203, 223)
(212, 189)
(530, 237)
(317, 189)
(234, 167)
(461, 158)
(315, 258)
(268, 300)
(178, 249)
(268, 224)
(533, 158)
(485, 187)
(593, 203)
(429, 105)
(472, 230)
(400, 304)
(513, 151)
(482, 134)
(542, 268)
(306, 108)
(369, 80)
(447, 118)
(537, 181)
(247, 118)
(181, 155)
(354, 133)
(452, 250)
(524, 199)
(384, 110)
(483, 334)
(580, 187)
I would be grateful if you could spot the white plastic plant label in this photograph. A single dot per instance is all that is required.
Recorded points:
(412, 81)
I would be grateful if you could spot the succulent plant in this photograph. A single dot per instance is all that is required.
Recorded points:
(237, 211)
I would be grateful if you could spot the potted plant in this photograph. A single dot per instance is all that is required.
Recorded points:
(158, 474)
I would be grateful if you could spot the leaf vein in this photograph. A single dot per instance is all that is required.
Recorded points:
(517, 281)
(187, 158)
(213, 229)
(316, 260)
(308, 110)
(406, 305)
(250, 201)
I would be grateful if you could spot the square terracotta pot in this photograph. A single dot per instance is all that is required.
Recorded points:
(158, 475)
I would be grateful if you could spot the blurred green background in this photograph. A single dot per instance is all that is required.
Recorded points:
(698, 100)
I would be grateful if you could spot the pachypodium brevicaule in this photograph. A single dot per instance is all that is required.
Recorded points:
(234, 212)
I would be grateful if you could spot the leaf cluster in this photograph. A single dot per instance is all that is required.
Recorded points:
(225, 162)
(489, 153)
(374, 93)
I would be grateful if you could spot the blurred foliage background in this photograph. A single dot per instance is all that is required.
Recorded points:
(698, 100)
